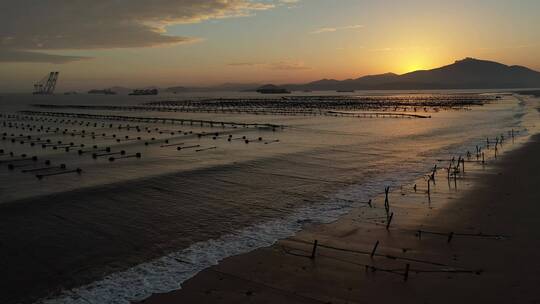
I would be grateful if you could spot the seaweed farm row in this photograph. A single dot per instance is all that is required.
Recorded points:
(320, 104)
(47, 145)
(306, 105)
(181, 121)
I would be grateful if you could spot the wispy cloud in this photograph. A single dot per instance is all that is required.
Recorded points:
(289, 3)
(386, 49)
(289, 66)
(335, 29)
(280, 65)
(510, 47)
(245, 64)
(401, 49)
(25, 56)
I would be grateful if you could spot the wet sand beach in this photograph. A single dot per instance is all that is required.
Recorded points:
(473, 239)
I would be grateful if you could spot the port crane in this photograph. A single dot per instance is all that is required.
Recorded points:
(46, 85)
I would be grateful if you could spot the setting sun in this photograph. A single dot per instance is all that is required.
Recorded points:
(409, 61)
(414, 65)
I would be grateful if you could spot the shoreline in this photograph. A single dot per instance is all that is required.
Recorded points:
(454, 251)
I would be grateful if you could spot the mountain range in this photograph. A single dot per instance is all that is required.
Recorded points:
(468, 73)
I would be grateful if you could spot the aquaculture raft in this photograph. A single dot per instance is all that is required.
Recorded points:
(211, 123)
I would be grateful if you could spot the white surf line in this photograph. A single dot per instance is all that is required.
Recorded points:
(167, 273)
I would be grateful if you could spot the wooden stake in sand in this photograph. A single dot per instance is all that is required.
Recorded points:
(314, 250)
(374, 249)
(450, 236)
(406, 275)
(386, 202)
(389, 220)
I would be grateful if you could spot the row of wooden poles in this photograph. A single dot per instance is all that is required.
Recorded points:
(454, 168)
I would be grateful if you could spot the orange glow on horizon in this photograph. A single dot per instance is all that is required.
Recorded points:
(414, 61)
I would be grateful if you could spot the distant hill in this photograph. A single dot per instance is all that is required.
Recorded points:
(272, 89)
(468, 73)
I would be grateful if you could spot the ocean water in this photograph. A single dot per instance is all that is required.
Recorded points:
(124, 229)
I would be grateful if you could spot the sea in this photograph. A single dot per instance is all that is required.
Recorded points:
(104, 204)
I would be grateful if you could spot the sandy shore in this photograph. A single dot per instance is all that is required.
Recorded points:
(479, 243)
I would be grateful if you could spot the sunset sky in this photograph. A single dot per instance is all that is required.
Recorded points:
(133, 43)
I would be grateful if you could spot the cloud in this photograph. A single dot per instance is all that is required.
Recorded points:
(403, 49)
(288, 3)
(281, 65)
(289, 66)
(245, 64)
(36, 25)
(335, 29)
(386, 49)
(509, 47)
(25, 56)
